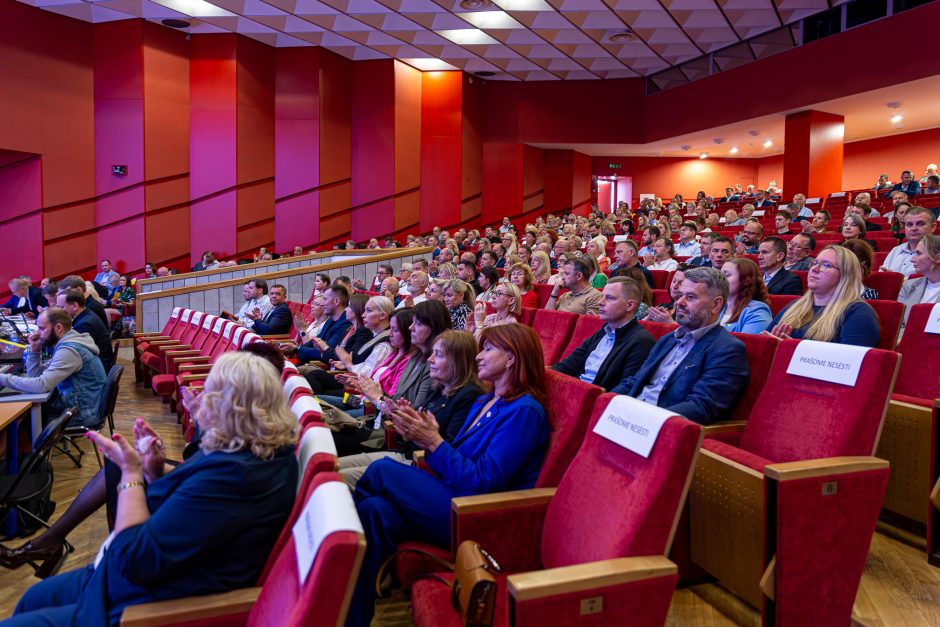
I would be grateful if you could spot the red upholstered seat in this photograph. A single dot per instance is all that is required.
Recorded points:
(779, 301)
(888, 284)
(165, 384)
(585, 327)
(192, 337)
(527, 316)
(890, 313)
(802, 274)
(296, 386)
(544, 292)
(760, 355)
(553, 328)
(661, 279)
(578, 528)
(658, 329)
(142, 340)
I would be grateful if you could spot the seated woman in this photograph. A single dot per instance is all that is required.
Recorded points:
(500, 447)
(459, 299)
(924, 289)
(597, 279)
(435, 290)
(541, 267)
(307, 330)
(747, 310)
(446, 272)
(853, 227)
(646, 294)
(366, 349)
(455, 386)
(207, 526)
(487, 280)
(506, 302)
(413, 383)
(666, 311)
(150, 271)
(521, 276)
(121, 300)
(831, 310)
(597, 247)
(866, 258)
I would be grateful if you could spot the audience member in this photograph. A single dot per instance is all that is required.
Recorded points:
(83, 321)
(831, 310)
(256, 306)
(771, 256)
(417, 290)
(318, 318)
(487, 280)
(762, 200)
(665, 312)
(883, 183)
(930, 170)
(74, 370)
(747, 310)
(104, 277)
(720, 251)
(581, 297)
(500, 447)
(521, 276)
(866, 258)
(799, 252)
(626, 255)
(541, 267)
(459, 299)
(687, 246)
(73, 281)
(596, 278)
(435, 290)
(854, 227)
(507, 303)
(455, 387)
(924, 289)
(803, 211)
(931, 185)
(864, 211)
(24, 299)
(389, 289)
(818, 224)
(206, 262)
(597, 247)
(322, 347)
(918, 222)
(650, 234)
(907, 185)
(278, 318)
(700, 370)
(749, 239)
(663, 250)
(782, 223)
(620, 347)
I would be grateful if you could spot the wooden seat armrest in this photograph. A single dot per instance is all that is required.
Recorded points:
(173, 354)
(731, 426)
(501, 500)
(277, 336)
(165, 348)
(154, 335)
(805, 469)
(935, 495)
(199, 368)
(189, 378)
(193, 359)
(159, 343)
(234, 603)
(590, 576)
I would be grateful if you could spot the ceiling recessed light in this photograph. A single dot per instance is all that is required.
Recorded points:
(768, 144)
(686, 147)
(896, 118)
(624, 36)
(173, 22)
(753, 133)
(475, 5)
(703, 155)
(734, 150)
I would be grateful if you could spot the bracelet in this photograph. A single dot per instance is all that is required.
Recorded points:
(129, 484)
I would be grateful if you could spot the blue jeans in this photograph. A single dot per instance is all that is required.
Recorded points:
(337, 401)
(51, 602)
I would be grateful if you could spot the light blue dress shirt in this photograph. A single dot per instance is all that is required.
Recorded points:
(686, 340)
(596, 359)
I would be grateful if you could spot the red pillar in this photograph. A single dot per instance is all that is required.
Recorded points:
(567, 181)
(812, 161)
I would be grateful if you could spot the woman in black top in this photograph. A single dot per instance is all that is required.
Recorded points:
(455, 387)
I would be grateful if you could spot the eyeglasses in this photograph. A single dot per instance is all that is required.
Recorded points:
(495, 293)
(752, 232)
(822, 265)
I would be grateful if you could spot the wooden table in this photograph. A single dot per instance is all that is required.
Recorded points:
(35, 401)
(10, 413)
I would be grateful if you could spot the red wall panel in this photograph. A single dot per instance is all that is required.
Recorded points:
(666, 176)
(471, 187)
(502, 180)
(865, 160)
(441, 148)
(581, 183)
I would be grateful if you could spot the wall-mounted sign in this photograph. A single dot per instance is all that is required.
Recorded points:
(613, 166)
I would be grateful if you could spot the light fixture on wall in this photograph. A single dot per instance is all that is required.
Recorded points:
(895, 119)
(734, 150)
(703, 155)
(768, 144)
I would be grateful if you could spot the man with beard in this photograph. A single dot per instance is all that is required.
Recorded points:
(700, 370)
(73, 369)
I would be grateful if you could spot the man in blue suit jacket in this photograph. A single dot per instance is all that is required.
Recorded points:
(25, 299)
(700, 370)
(279, 319)
(323, 347)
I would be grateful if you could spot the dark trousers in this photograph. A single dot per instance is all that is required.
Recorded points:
(51, 602)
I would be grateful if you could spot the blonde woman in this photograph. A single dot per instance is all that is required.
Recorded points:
(435, 290)
(521, 276)
(459, 299)
(541, 267)
(831, 310)
(597, 279)
(446, 272)
(924, 289)
(508, 305)
(597, 247)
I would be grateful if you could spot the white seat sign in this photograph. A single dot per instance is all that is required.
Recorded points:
(632, 424)
(825, 361)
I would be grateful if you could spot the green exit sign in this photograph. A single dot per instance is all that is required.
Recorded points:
(613, 166)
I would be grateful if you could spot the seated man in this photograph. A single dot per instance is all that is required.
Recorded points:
(389, 289)
(818, 224)
(257, 304)
(907, 185)
(83, 321)
(620, 347)
(931, 185)
(25, 299)
(104, 277)
(582, 298)
(863, 209)
(75, 282)
(700, 370)
(800, 252)
(687, 246)
(626, 256)
(749, 238)
(782, 221)
(650, 234)
(770, 257)
(663, 250)
(417, 290)
(918, 222)
(74, 369)
(278, 320)
(720, 251)
(323, 347)
(762, 200)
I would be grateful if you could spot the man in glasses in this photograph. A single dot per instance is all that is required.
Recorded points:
(749, 239)
(799, 252)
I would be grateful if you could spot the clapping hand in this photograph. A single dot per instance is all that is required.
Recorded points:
(345, 359)
(151, 451)
(781, 332)
(656, 314)
(418, 427)
(119, 451)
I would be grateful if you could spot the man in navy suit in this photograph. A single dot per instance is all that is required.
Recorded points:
(770, 257)
(25, 299)
(278, 320)
(700, 370)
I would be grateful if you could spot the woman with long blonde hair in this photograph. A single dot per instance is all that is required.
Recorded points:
(541, 267)
(831, 310)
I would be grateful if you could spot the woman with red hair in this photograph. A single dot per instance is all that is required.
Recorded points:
(500, 447)
(747, 310)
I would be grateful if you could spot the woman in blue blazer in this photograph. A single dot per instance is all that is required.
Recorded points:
(747, 310)
(500, 447)
(207, 526)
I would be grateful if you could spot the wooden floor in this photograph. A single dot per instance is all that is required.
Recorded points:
(898, 588)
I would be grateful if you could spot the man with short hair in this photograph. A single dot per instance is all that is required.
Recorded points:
(663, 250)
(383, 272)
(706, 243)
(73, 281)
(467, 272)
(918, 222)
(803, 212)
(83, 321)
(800, 252)
(73, 370)
(700, 370)
(931, 185)
(163, 271)
(907, 185)
(650, 234)
(278, 319)
(323, 347)
(416, 290)
(24, 299)
(298, 251)
(687, 246)
(771, 255)
(389, 289)
(863, 210)
(730, 195)
(625, 256)
(720, 251)
(750, 238)
(620, 347)
(104, 277)
(818, 224)
(782, 223)
(257, 303)
(404, 279)
(488, 258)
(582, 298)
(762, 200)
(506, 225)
(421, 264)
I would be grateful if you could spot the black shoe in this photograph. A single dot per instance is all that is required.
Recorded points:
(45, 562)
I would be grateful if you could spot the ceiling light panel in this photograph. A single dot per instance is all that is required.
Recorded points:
(468, 37)
(195, 8)
(491, 19)
(429, 65)
(523, 5)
